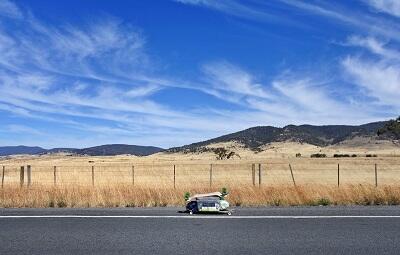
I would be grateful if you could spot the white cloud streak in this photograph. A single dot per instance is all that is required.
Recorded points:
(378, 76)
(249, 11)
(391, 7)
(99, 73)
(344, 16)
(97, 79)
(380, 80)
(291, 97)
(10, 10)
(227, 77)
(19, 129)
(362, 21)
(374, 45)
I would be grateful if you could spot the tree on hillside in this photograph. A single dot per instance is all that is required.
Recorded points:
(391, 129)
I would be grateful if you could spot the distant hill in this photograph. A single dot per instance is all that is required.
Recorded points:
(391, 129)
(15, 150)
(252, 138)
(103, 150)
(118, 149)
(256, 137)
(58, 150)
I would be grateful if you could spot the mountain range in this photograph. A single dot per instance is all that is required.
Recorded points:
(255, 137)
(102, 150)
(252, 138)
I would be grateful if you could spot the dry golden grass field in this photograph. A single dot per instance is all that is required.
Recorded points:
(161, 180)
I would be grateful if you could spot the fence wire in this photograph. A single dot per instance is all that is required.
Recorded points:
(203, 175)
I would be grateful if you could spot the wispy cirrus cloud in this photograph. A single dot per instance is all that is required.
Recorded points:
(231, 7)
(20, 129)
(375, 72)
(362, 21)
(226, 77)
(98, 73)
(298, 92)
(97, 79)
(294, 96)
(253, 10)
(378, 76)
(374, 46)
(271, 11)
(377, 79)
(380, 80)
(387, 6)
(10, 10)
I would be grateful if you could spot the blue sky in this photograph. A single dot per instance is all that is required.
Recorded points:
(168, 73)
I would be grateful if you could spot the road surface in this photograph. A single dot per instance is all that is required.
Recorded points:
(294, 230)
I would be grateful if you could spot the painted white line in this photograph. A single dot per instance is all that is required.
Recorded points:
(202, 216)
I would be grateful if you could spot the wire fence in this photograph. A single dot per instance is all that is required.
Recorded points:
(202, 175)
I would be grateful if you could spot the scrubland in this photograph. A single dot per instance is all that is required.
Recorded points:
(129, 196)
(162, 180)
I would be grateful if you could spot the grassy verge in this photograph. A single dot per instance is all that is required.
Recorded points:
(128, 196)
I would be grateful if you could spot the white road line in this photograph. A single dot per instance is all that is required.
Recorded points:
(201, 216)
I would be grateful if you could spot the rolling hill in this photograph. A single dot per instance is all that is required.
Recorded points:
(255, 137)
(118, 149)
(15, 150)
(103, 150)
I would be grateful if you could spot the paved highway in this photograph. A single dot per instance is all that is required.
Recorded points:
(295, 230)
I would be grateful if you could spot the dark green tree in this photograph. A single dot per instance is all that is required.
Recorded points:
(391, 129)
(186, 196)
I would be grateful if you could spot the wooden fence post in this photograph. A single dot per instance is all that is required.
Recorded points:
(29, 175)
(21, 176)
(92, 175)
(174, 177)
(291, 172)
(133, 175)
(338, 175)
(259, 174)
(2, 176)
(55, 175)
(253, 173)
(376, 175)
(211, 170)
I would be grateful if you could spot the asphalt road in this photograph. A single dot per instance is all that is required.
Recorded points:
(298, 230)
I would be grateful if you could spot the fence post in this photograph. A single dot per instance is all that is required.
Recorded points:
(259, 174)
(253, 173)
(21, 176)
(291, 172)
(133, 175)
(174, 177)
(92, 175)
(376, 175)
(338, 175)
(55, 175)
(28, 174)
(2, 177)
(211, 170)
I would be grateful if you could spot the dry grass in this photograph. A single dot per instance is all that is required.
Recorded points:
(128, 196)
(118, 171)
(316, 181)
